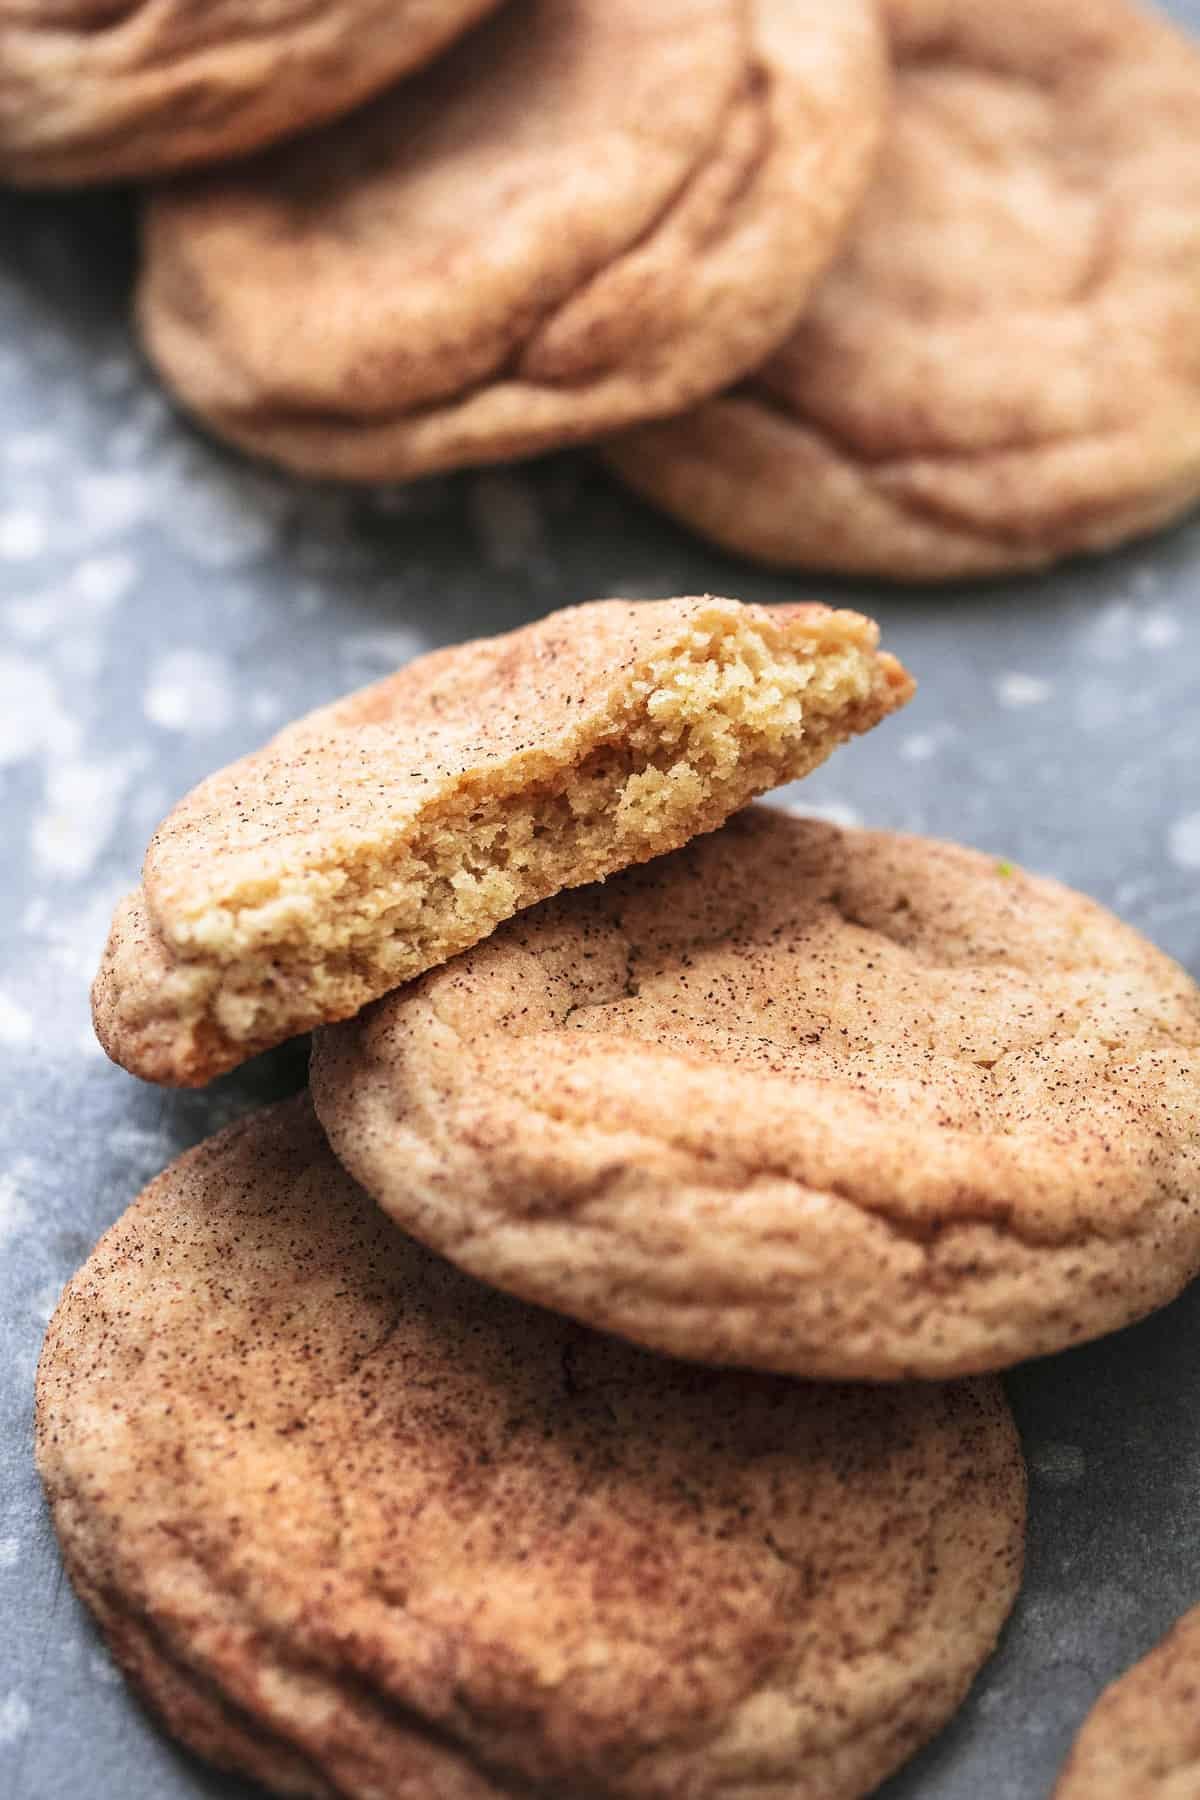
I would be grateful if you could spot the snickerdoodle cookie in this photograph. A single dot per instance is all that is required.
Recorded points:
(1142, 1740)
(593, 212)
(840, 1104)
(384, 833)
(100, 90)
(356, 1524)
(1004, 366)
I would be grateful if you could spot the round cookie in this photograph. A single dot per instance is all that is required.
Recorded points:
(381, 834)
(833, 1103)
(103, 90)
(592, 213)
(1142, 1739)
(359, 1525)
(1003, 368)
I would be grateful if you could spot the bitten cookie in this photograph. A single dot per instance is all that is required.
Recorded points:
(1142, 1740)
(1003, 367)
(102, 90)
(355, 1524)
(593, 212)
(384, 833)
(840, 1104)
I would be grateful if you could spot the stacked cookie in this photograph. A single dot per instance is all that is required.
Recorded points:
(478, 1424)
(937, 322)
(101, 90)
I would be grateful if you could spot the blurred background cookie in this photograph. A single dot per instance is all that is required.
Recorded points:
(835, 1103)
(1142, 1740)
(354, 1523)
(592, 212)
(1003, 367)
(100, 90)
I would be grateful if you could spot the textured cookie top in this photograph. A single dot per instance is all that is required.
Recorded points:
(837, 1103)
(385, 832)
(1004, 364)
(593, 211)
(1142, 1740)
(95, 90)
(432, 1541)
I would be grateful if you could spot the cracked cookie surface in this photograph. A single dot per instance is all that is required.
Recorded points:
(358, 1525)
(1003, 366)
(833, 1103)
(592, 212)
(383, 833)
(101, 90)
(1141, 1741)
